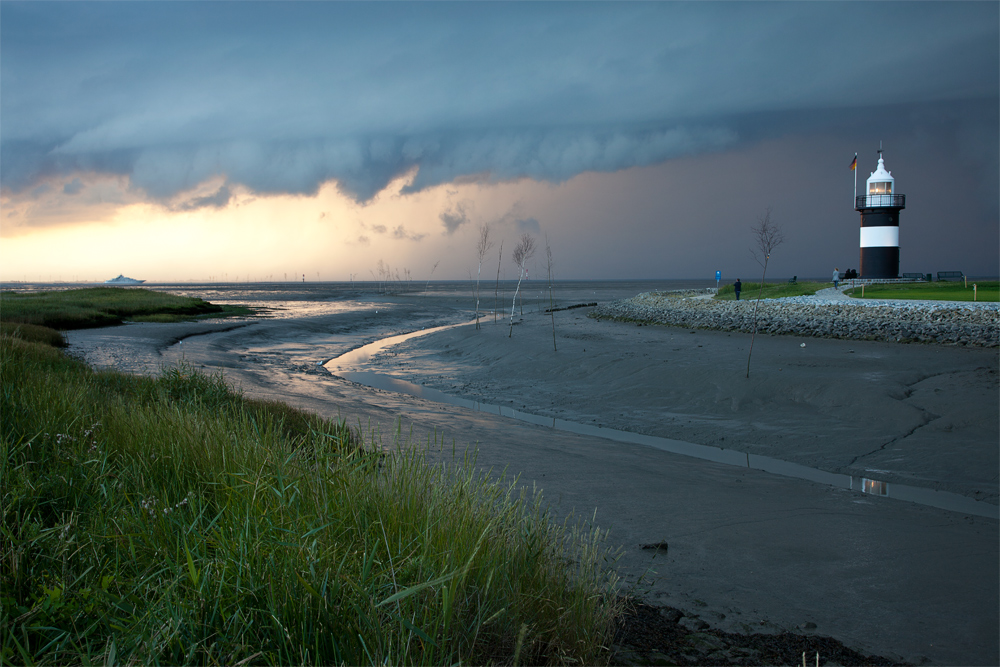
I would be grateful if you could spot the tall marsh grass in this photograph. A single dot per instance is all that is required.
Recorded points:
(33, 333)
(104, 306)
(172, 521)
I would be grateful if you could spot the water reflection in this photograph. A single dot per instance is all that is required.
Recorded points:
(359, 356)
(874, 487)
(346, 367)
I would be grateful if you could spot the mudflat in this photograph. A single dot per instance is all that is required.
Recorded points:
(745, 550)
(925, 415)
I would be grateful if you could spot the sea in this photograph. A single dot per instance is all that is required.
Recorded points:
(307, 299)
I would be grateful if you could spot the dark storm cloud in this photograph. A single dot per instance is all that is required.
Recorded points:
(284, 97)
(454, 217)
(402, 234)
(217, 200)
(73, 187)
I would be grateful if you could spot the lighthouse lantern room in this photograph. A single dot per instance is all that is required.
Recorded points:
(879, 208)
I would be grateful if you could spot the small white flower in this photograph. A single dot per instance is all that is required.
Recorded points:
(149, 505)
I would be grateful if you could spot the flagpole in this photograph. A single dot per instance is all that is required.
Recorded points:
(855, 170)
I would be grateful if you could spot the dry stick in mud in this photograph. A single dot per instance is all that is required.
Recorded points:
(496, 290)
(768, 236)
(524, 251)
(431, 274)
(482, 247)
(552, 313)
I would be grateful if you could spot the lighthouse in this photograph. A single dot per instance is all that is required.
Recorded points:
(879, 207)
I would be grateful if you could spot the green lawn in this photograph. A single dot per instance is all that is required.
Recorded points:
(988, 290)
(771, 290)
(105, 306)
(171, 520)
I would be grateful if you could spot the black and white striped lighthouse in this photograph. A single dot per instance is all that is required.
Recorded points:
(880, 207)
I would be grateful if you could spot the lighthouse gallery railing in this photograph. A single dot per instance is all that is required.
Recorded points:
(875, 201)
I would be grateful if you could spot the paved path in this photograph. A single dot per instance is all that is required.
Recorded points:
(831, 295)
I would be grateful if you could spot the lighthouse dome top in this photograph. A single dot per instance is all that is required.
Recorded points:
(880, 191)
(881, 181)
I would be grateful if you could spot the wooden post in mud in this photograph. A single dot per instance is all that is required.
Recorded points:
(552, 312)
(496, 290)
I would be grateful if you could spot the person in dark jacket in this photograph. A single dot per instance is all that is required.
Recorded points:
(737, 286)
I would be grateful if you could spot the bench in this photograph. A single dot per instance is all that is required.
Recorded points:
(915, 276)
(794, 280)
(950, 275)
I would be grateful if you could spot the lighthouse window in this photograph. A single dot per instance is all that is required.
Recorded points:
(880, 188)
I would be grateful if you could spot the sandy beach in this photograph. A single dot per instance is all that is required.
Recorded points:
(749, 551)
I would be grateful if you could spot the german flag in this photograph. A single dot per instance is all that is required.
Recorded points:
(854, 162)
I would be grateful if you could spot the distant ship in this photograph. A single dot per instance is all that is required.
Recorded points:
(123, 280)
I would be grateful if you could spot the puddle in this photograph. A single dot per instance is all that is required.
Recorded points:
(359, 356)
(346, 366)
(874, 487)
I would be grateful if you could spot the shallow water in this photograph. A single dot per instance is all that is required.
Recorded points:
(292, 292)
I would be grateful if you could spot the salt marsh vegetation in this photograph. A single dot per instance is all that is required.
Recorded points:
(105, 306)
(174, 520)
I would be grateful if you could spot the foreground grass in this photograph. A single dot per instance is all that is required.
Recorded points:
(32, 333)
(105, 306)
(987, 290)
(771, 290)
(171, 520)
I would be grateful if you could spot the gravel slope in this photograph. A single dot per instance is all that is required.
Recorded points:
(950, 323)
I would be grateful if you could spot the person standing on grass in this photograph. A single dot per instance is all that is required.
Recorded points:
(836, 277)
(737, 287)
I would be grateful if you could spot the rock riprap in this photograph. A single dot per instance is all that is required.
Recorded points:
(950, 323)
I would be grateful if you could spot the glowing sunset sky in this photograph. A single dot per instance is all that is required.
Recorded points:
(196, 140)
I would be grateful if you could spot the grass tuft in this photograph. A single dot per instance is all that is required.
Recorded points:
(172, 520)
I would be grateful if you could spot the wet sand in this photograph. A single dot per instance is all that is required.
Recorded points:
(748, 550)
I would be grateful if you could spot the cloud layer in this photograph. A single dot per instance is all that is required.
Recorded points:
(284, 97)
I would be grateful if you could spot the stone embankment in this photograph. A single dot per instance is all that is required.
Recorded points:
(950, 323)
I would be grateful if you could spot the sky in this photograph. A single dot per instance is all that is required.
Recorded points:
(175, 141)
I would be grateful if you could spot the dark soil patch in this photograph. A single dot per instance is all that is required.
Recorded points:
(651, 635)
